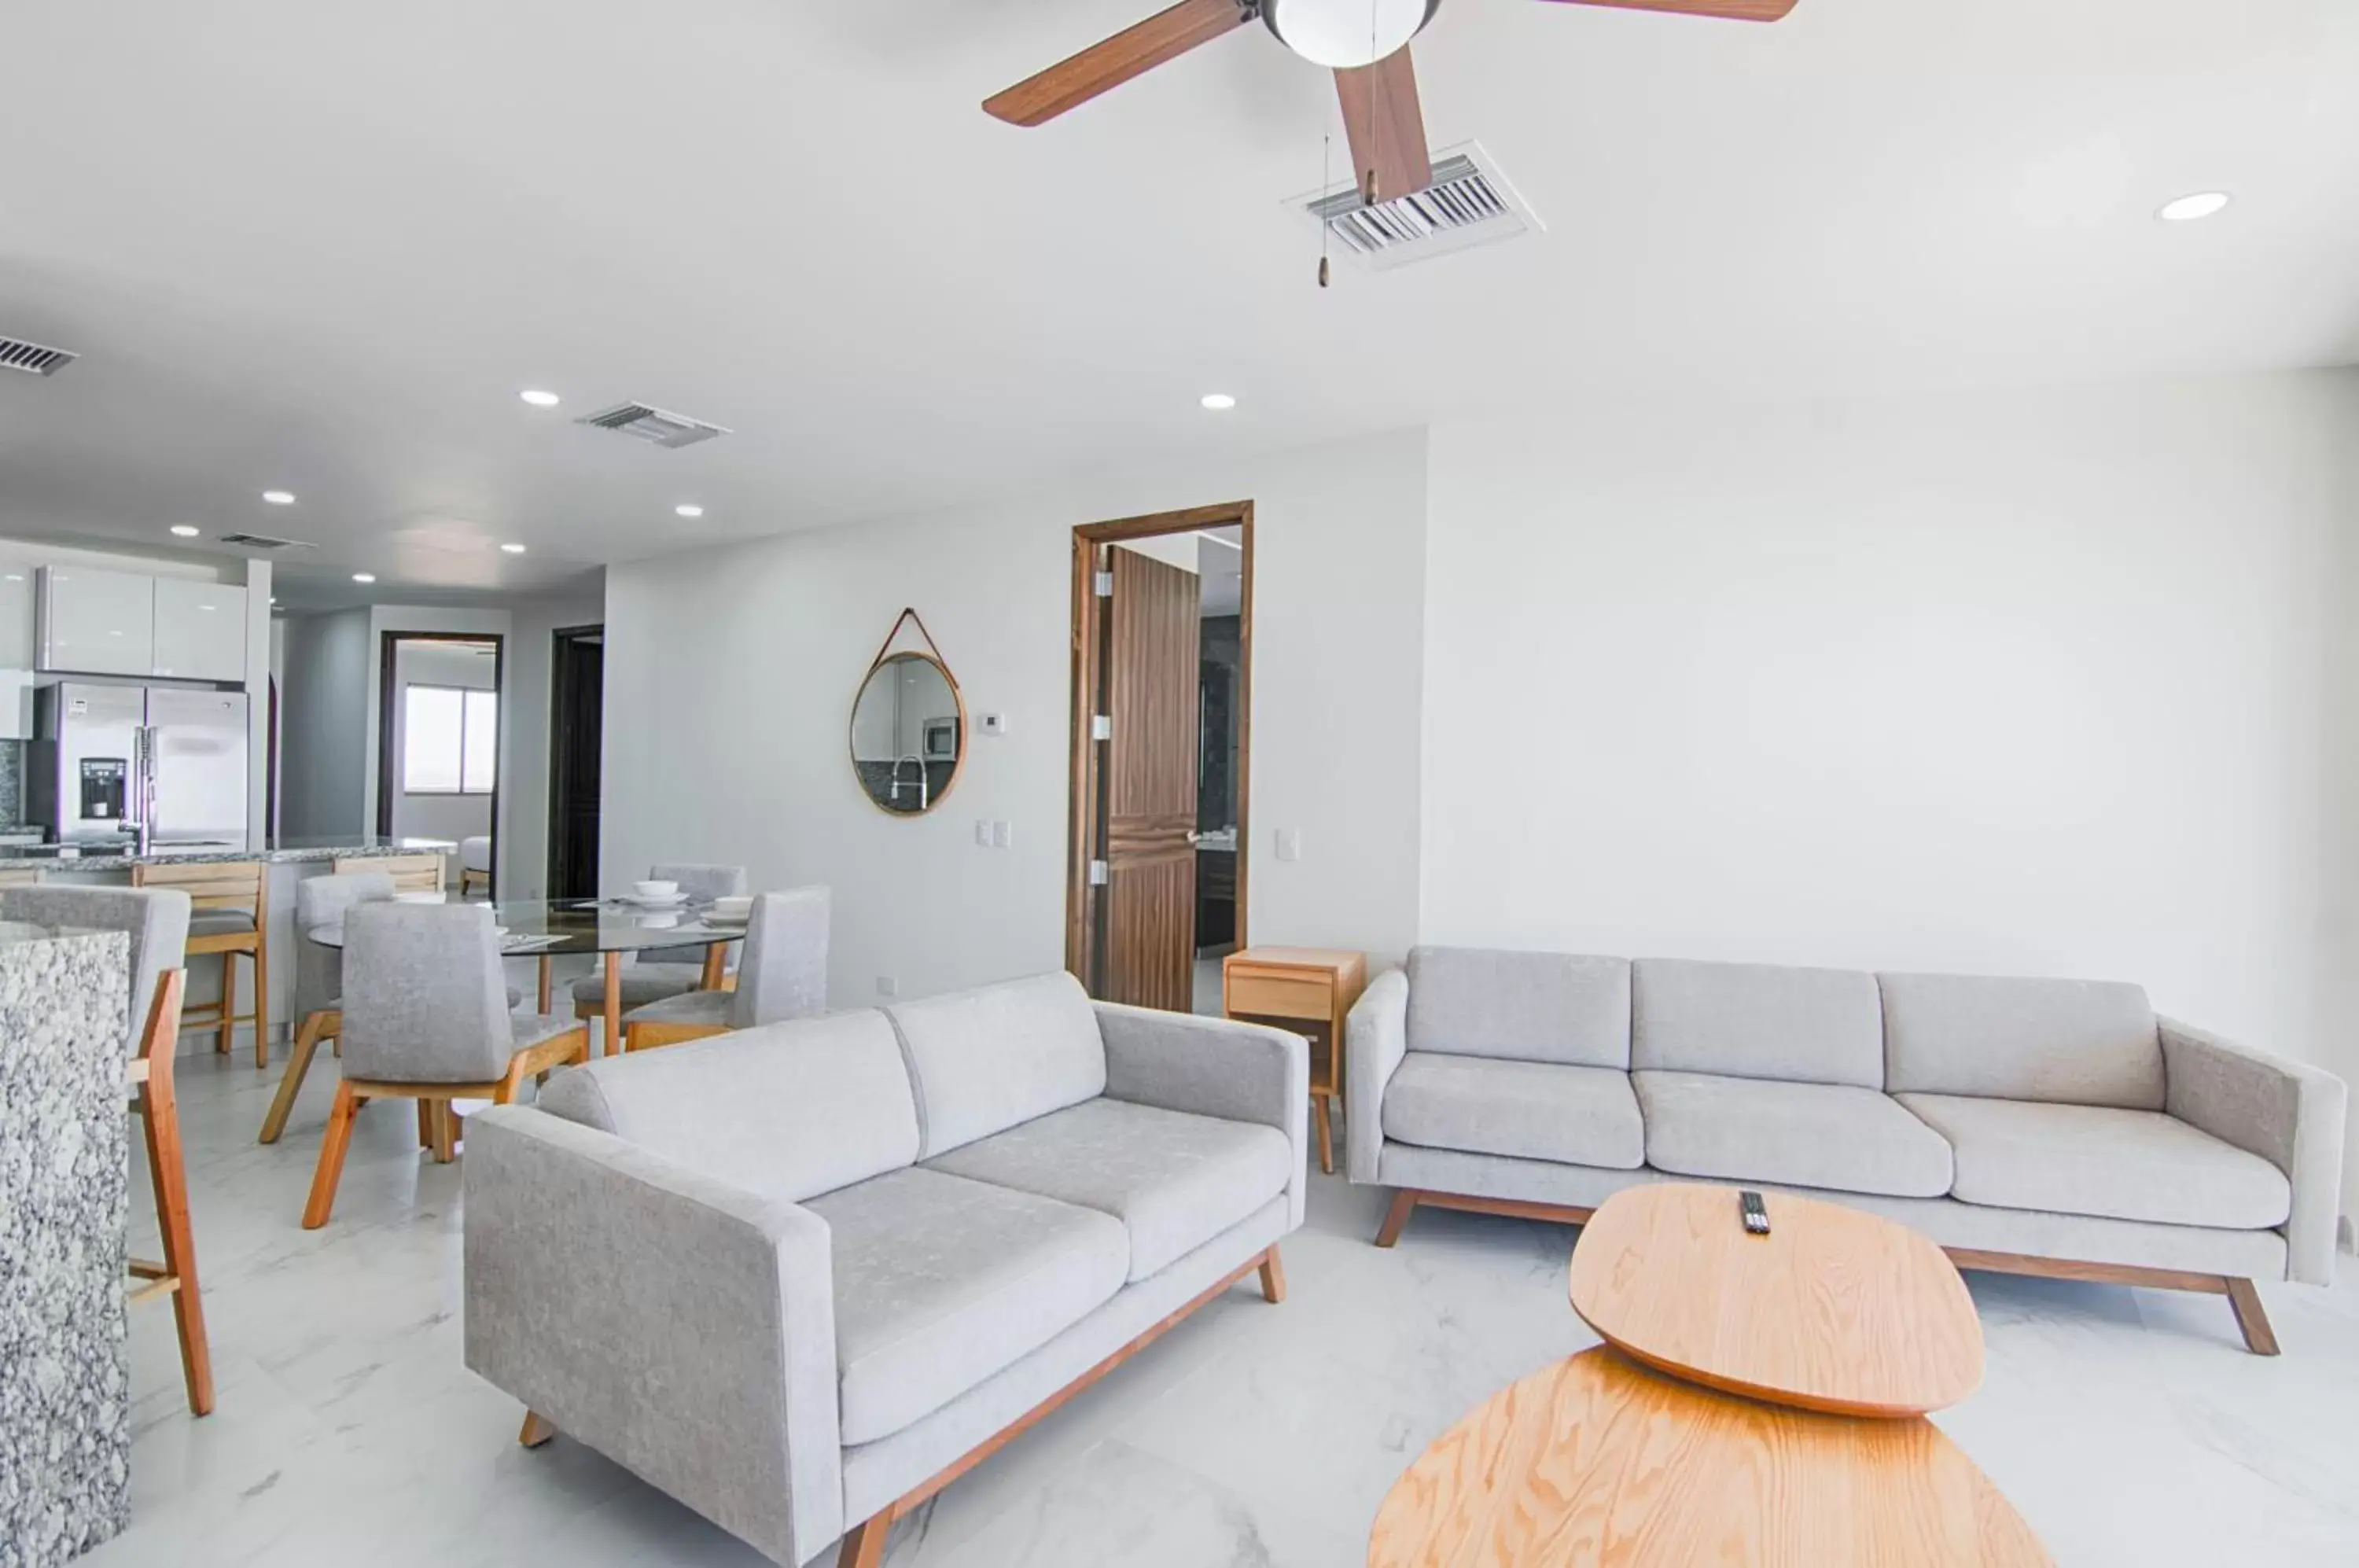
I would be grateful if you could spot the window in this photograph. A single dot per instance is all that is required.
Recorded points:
(449, 741)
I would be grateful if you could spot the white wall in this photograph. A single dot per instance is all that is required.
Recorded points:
(452, 817)
(324, 737)
(2041, 683)
(730, 678)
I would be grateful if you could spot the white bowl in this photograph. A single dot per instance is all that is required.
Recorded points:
(655, 889)
(734, 907)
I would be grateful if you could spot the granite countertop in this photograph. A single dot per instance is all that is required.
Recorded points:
(286, 852)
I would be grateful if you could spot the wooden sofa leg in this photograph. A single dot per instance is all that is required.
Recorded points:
(537, 1430)
(2259, 1337)
(863, 1543)
(1273, 1276)
(1397, 1218)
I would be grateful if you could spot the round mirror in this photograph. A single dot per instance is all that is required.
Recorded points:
(908, 733)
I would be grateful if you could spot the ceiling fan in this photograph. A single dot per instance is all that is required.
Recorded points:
(1365, 42)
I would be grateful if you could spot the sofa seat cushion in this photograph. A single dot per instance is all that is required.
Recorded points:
(2103, 1161)
(941, 1282)
(1175, 1180)
(1839, 1137)
(1528, 1110)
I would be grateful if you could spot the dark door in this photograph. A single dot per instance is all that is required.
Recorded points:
(1147, 942)
(577, 705)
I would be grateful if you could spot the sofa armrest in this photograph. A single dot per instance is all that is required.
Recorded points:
(1375, 1038)
(2289, 1113)
(681, 1326)
(1214, 1067)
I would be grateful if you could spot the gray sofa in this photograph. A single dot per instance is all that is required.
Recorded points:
(2041, 1126)
(803, 1275)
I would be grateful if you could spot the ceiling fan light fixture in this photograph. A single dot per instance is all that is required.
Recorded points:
(1344, 35)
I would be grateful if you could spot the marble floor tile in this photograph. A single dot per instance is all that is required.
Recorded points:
(2129, 1426)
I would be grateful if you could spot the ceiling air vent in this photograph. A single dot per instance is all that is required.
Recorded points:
(1469, 203)
(265, 541)
(15, 353)
(649, 423)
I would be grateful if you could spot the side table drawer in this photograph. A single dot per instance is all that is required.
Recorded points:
(1275, 994)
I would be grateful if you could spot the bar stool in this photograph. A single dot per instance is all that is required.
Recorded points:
(410, 873)
(784, 976)
(426, 1019)
(231, 909)
(474, 864)
(157, 923)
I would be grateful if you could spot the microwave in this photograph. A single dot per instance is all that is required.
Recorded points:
(941, 740)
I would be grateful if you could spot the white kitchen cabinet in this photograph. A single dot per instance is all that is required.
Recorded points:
(200, 630)
(18, 650)
(97, 623)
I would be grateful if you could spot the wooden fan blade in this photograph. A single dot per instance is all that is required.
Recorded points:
(1131, 53)
(1387, 127)
(1729, 10)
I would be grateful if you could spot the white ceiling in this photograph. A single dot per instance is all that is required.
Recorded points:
(323, 246)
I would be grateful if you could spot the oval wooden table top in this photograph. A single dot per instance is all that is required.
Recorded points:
(1598, 1463)
(1834, 1310)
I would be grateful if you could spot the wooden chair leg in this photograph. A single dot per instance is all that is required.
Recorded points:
(1397, 1218)
(425, 1124)
(446, 1140)
(863, 1543)
(1326, 1134)
(331, 1157)
(228, 1005)
(1273, 1276)
(299, 1062)
(2251, 1319)
(160, 1119)
(537, 1431)
(261, 995)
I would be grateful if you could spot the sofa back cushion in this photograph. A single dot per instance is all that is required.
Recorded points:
(1756, 1020)
(983, 1060)
(2073, 1042)
(1520, 1006)
(791, 1110)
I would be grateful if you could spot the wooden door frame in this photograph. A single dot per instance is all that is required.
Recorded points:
(1088, 678)
(561, 747)
(387, 687)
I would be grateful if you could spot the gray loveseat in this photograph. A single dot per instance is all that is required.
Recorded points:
(802, 1277)
(2040, 1126)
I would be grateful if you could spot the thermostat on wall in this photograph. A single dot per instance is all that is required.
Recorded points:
(992, 724)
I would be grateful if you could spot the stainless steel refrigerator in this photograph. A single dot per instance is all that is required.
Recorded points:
(111, 761)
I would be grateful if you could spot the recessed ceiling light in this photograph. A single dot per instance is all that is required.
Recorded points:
(364, 576)
(1218, 401)
(185, 531)
(689, 509)
(279, 497)
(2187, 209)
(513, 548)
(539, 398)
(16, 577)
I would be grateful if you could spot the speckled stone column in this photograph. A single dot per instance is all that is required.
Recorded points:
(65, 1437)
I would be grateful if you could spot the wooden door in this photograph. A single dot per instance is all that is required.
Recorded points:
(1146, 908)
(576, 712)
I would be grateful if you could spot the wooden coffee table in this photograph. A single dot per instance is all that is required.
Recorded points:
(1834, 1310)
(1598, 1463)
(1731, 1418)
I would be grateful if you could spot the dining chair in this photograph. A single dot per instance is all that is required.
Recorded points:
(230, 916)
(320, 901)
(783, 975)
(425, 1017)
(155, 921)
(410, 873)
(666, 971)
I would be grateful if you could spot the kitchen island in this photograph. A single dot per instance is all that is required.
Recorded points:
(65, 1432)
(289, 862)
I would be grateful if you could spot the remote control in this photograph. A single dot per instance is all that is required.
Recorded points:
(1756, 1213)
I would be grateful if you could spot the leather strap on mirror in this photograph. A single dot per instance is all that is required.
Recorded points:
(909, 615)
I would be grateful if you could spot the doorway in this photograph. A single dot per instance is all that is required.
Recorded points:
(577, 686)
(440, 734)
(1162, 731)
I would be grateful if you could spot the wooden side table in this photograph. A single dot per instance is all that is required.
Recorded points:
(1311, 991)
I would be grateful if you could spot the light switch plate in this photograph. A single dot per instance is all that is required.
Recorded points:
(1290, 843)
(887, 986)
(1002, 836)
(982, 832)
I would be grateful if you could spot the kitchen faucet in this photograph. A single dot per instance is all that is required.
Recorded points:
(920, 763)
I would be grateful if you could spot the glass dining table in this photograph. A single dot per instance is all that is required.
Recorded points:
(548, 929)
